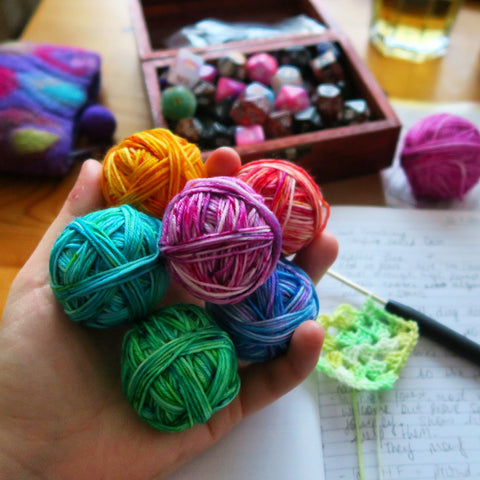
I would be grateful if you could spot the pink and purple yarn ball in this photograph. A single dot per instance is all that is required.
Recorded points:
(441, 157)
(220, 240)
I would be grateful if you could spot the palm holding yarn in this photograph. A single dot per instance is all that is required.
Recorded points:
(70, 396)
(221, 243)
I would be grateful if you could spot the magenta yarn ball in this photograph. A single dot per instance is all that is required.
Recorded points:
(219, 239)
(441, 157)
(97, 122)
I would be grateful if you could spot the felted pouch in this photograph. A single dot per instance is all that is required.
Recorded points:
(43, 90)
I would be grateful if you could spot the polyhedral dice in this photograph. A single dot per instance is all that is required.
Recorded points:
(278, 124)
(292, 98)
(228, 88)
(308, 120)
(189, 128)
(246, 135)
(355, 112)
(208, 73)
(185, 69)
(329, 102)
(286, 75)
(296, 55)
(326, 46)
(261, 67)
(326, 69)
(178, 101)
(222, 109)
(257, 89)
(222, 135)
(250, 110)
(233, 65)
(205, 94)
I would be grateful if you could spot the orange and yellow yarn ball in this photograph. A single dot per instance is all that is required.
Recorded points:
(147, 169)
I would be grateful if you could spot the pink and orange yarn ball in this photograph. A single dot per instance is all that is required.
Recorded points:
(293, 196)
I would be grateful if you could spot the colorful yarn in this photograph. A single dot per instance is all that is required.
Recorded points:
(178, 368)
(366, 349)
(43, 89)
(104, 267)
(220, 240)
(147, 169)
(262, 324)
(441, 157)
(293, 196)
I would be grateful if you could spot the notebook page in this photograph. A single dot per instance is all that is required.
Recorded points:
(429, 424)
(280, 442)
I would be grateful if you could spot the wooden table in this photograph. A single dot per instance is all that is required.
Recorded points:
(27, 205)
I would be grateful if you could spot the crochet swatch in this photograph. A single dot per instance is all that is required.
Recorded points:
(366, 349)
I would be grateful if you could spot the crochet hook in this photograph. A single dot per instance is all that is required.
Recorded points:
(427, 326)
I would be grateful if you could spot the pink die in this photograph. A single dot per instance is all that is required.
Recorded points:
(228, 88)
(292, 98)
(261, 67)
(208, 73)
(248, 135)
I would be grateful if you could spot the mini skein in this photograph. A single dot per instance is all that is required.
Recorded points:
(104, 267)
(147, 169)
(220, 240)
(178, 368)
(441, 157)
(293, 196)
(262, 324)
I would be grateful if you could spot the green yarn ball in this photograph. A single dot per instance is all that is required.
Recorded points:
(178, 368)
(178, 102)
(105, 268)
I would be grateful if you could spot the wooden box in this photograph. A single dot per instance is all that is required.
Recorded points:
(329, 154)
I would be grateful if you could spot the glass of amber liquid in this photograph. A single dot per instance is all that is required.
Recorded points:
(415, 30)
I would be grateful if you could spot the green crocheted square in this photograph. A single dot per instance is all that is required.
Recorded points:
(366, 349)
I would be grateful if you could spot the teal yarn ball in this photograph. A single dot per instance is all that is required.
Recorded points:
(178, 368)
(105, 268)
(178, 102)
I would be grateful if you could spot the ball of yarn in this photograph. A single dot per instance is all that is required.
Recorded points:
(262, 324)
(293, 196)
(220, 239)
(178, 368)
(97, 122)
(441, 157)
(147, 169)
(105, 268)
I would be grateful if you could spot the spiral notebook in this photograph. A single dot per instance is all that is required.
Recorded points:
(428, 426)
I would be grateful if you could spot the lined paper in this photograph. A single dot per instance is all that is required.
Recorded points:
(428, 426)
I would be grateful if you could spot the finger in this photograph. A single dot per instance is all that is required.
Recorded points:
(224, 161)
(264, 383)
(318, 256)
(85, 197)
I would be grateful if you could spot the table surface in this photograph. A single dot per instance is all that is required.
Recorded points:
(28, 205)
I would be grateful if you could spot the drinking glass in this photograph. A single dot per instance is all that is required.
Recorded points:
(415, 30)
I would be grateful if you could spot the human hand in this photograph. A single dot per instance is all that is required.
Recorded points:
(62, 410)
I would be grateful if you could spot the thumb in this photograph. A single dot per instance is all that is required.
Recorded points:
(85, 197)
